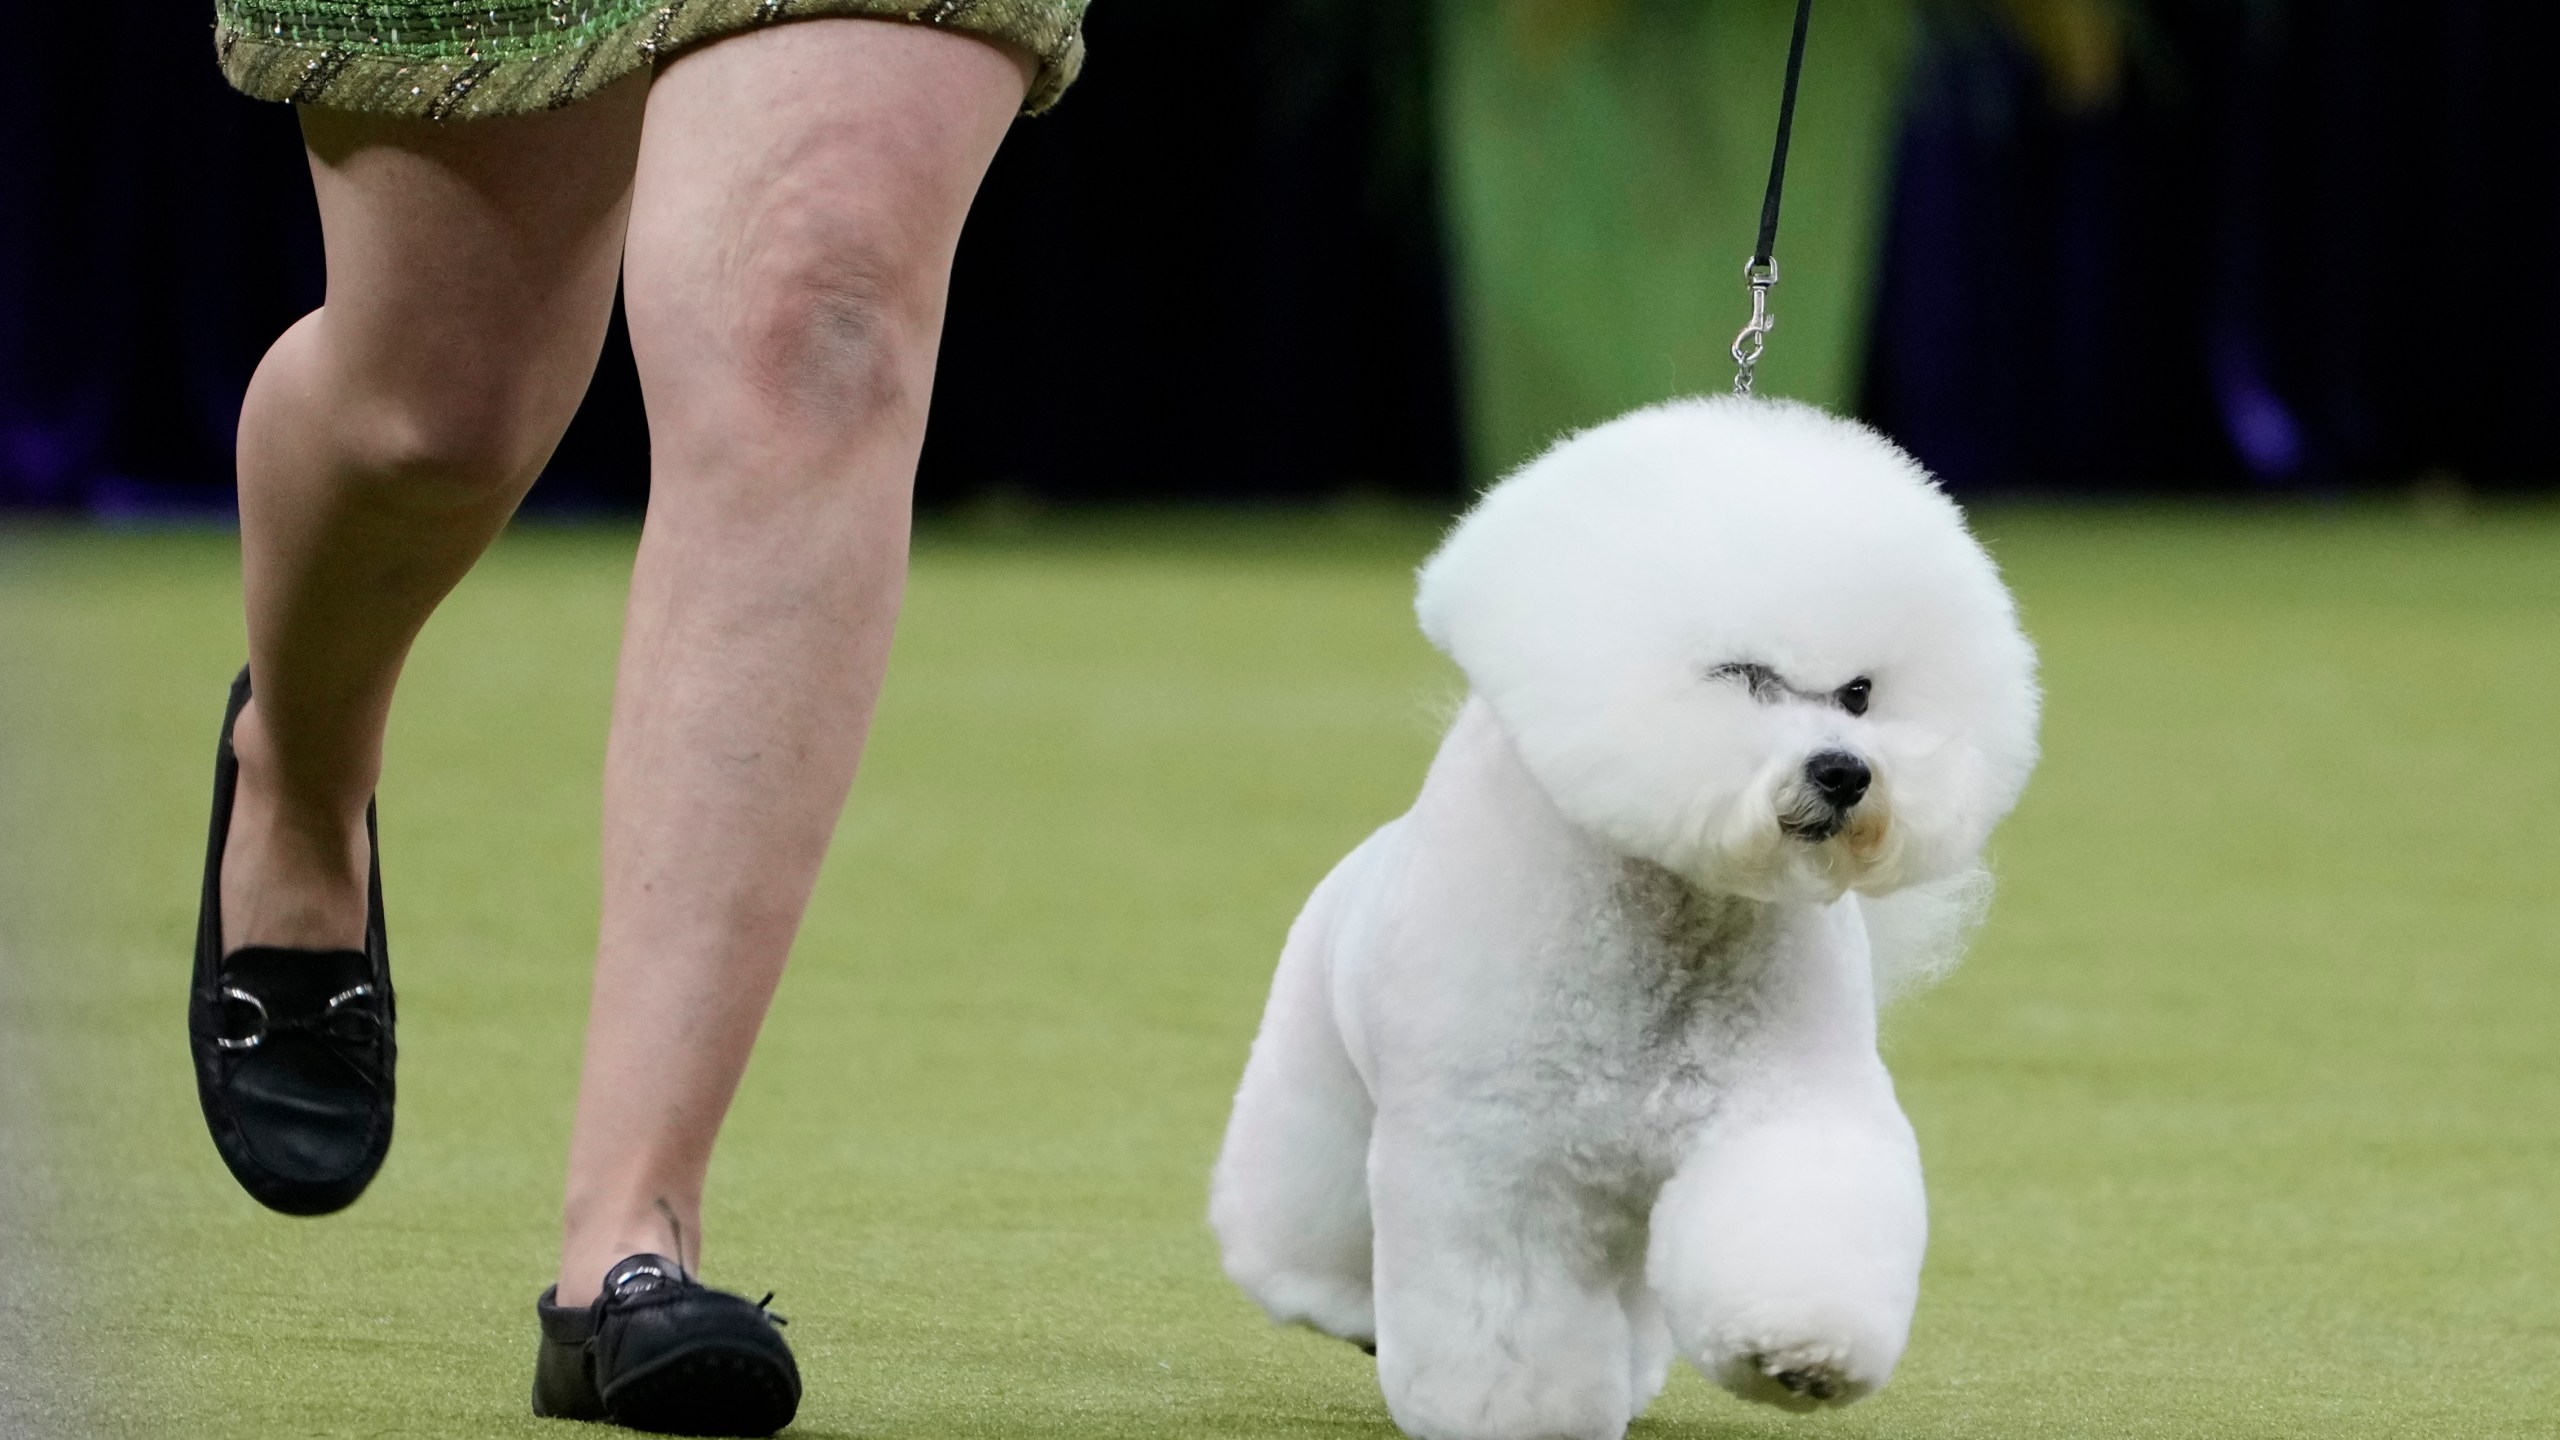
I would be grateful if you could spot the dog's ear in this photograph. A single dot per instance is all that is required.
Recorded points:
(1917, 934)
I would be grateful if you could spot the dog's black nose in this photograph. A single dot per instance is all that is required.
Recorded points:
(1840, 777)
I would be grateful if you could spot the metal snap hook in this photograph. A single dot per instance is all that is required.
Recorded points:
(1753, 341)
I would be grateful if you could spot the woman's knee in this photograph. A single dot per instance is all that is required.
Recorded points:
(828, 329)
(457, 420)
(816, 320)
(460, 446)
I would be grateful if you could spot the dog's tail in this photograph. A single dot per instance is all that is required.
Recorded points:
(1915, 936)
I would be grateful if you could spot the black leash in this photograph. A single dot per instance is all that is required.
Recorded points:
(1761, 274)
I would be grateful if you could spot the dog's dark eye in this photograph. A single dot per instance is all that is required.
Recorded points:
(1853, 696)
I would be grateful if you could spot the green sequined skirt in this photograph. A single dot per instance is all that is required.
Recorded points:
(462, 59)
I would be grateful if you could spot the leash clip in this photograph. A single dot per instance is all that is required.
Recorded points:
(1753, 341)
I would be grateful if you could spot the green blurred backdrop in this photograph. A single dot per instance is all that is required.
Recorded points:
(1605, 162)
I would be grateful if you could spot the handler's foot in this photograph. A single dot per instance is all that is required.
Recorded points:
(293, 1047)
(660, 1351)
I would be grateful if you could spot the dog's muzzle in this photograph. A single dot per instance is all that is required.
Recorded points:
(1833, 783)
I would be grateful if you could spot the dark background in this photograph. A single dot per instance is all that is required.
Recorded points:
(2297, 249)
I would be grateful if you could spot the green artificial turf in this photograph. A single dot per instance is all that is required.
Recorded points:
(2242, 1120)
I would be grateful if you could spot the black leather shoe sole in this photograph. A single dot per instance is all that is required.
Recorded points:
(658, 1351)
(708, 1389)
(294, 1049)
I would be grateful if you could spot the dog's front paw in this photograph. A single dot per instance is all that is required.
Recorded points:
(1788, 1256)
(1803, 1367)
(1807, 1375)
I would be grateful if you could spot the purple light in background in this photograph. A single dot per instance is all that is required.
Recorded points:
(42, 464)
(2259, 424)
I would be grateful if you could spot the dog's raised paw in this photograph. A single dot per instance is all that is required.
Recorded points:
(1810, 1375)
(1816, 1383)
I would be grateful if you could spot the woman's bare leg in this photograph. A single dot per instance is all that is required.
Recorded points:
(800, 192)
(383, 443)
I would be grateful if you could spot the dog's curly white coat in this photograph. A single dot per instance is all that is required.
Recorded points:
(1572, 1068)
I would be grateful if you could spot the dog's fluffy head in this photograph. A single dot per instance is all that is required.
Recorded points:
(1750, 642)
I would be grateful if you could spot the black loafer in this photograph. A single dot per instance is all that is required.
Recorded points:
(293, 1048)
(660, 1351)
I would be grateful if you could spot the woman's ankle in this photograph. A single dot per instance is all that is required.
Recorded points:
(295, 873)
(606, 1236)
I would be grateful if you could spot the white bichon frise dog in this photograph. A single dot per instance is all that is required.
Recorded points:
(1572, 1068)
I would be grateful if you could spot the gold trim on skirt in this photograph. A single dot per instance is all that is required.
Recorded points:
(466, 59)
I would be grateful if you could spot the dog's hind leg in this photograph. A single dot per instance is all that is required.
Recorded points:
(1290, 1196)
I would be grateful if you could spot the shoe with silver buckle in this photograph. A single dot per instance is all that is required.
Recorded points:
(293, 1048)
(660, 1351)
